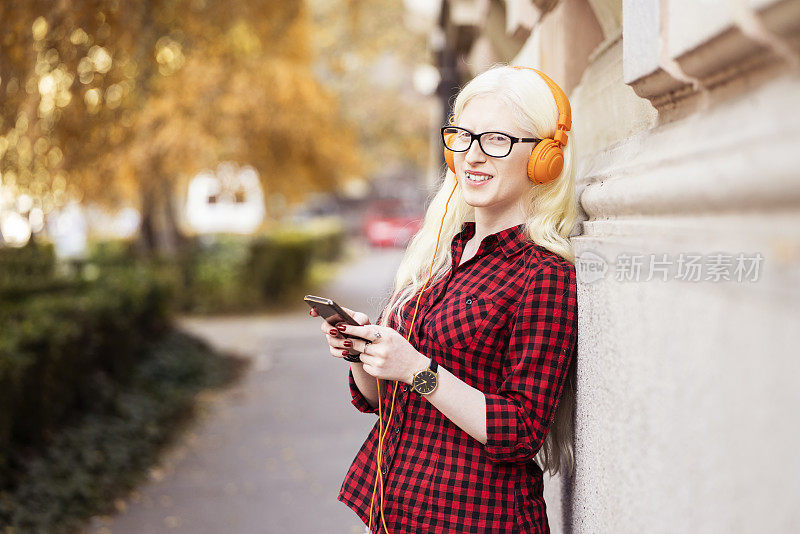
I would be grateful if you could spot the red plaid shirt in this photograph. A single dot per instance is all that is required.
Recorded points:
(504, 322)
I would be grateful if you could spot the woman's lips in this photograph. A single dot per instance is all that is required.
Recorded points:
(479, 175)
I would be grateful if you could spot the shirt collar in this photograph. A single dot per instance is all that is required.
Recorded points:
(511, 240)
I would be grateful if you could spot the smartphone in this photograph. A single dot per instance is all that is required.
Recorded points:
(334, 314)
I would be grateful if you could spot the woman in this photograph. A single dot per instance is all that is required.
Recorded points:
(494, 337)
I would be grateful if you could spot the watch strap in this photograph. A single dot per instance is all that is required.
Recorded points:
(352, 357)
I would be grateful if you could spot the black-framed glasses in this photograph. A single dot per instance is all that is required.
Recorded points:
(494, 144)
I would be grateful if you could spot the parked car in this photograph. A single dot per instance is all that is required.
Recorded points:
(391, 222)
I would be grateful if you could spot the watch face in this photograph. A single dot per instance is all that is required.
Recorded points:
(425, 382)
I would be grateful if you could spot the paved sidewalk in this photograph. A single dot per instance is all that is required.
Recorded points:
(269, 454)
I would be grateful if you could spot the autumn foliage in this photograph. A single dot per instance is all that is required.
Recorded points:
(115, 101)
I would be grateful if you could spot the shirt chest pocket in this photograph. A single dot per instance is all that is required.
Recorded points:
(459, 320)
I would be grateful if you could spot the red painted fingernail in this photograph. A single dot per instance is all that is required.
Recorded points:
(334, 332)
(311, 311)
(341, 328)
(348, 343)
(345, 352)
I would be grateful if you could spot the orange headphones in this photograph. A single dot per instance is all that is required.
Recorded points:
(547, 157)
(544, 165)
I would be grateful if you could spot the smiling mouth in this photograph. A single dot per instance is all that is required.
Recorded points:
(478, 178)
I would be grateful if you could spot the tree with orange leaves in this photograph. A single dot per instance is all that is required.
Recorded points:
(114, 101)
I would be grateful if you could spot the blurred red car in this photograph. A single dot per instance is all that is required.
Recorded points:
(391, 223)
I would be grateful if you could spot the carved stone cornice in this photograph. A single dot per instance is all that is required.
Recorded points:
(674, 50)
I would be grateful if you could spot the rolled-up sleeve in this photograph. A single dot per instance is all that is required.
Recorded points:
(541, 346)
(359, 400)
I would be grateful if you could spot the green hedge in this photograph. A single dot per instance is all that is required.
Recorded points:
(230, 273)
(29, 270)
(233, 273)
(33, 261)
(53, 346)
(107, 451)
(93, 381)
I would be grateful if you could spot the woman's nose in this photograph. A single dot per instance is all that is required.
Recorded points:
(474, 153)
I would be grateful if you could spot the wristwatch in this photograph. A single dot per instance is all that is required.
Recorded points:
(425, 381)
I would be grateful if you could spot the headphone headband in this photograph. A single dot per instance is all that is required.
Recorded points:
(562, 103)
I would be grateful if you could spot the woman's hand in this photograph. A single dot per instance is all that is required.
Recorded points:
(337, 342)
(390, 356)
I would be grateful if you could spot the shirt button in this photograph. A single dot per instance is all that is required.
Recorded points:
(383, 470)
(405, 388)
(469, 301)
(397, 430)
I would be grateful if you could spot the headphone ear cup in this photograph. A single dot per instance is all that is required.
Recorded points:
(448, 155)
(546, 161)
(448, 158)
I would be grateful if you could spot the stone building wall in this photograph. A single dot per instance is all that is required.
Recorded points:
(687, 125)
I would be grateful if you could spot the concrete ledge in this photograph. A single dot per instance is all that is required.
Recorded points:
(703, 164)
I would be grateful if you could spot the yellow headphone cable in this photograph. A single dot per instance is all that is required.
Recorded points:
(381, 432)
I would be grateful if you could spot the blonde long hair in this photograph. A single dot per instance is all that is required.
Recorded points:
(550, 214)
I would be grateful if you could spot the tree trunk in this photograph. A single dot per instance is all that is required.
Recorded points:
(159, 232)
(147, 231)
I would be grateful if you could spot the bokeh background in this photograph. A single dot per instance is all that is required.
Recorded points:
(176, 174)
